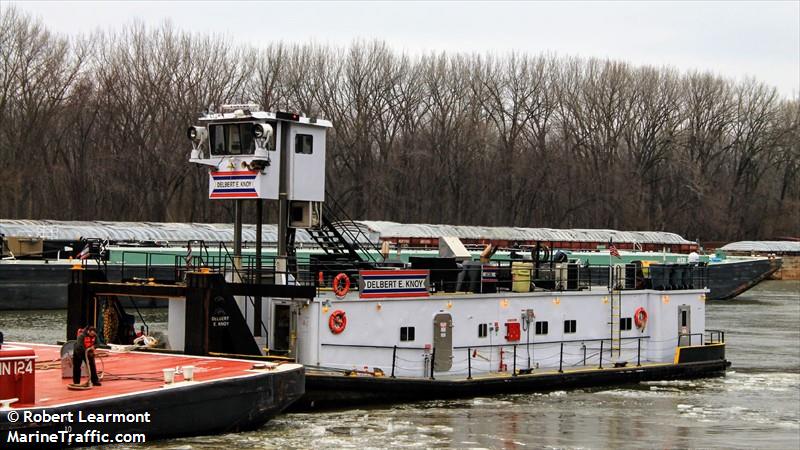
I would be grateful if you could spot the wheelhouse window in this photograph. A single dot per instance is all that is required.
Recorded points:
(232, 139)
(304, 143)
(541, 327)
(406, 334)
(483, 330)
(570, 326)
(625, 323)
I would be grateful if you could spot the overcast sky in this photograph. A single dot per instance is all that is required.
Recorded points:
(733, 39)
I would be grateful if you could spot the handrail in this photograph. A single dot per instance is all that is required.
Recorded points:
(565, 341)
(332, 208)
(511, 275)
(429, 357)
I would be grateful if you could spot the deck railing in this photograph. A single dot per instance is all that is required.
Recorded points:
(522, 360)
(444, 276)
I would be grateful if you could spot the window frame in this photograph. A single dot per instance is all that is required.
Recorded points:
(570, 326)
(408, 334)
(299, 147)
(541, 328)
(247, 142)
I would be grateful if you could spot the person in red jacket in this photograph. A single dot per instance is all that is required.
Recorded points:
(84, 350)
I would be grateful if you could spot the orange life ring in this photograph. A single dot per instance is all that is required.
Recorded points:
(341, 289)
(337, 322)
(640, 318)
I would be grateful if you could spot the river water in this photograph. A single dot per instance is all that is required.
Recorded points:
(756, 405)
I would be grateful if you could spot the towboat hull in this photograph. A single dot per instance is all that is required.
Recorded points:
(330, 391)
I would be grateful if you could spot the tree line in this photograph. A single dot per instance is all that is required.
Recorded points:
(93, 127)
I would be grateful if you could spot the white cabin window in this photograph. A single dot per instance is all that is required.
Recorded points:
(625, 323)
(483, 330)
(570, 326)
(406, 334)
(541, 327)
(304, 143)
(232, 139)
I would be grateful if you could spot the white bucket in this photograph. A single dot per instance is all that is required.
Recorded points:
(169, 376)
(188, 373)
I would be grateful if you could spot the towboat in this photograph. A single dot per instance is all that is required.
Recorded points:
(369, 327)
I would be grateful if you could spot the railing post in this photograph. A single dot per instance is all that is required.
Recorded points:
(601, 353)
(433, 361)
(469, 363)
(561, 359)
(584, 354)
(514, 365)
(394, 358)
(639, 353)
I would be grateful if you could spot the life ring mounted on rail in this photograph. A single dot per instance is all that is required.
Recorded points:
(341, 285)
(337, 322)
(640, 318)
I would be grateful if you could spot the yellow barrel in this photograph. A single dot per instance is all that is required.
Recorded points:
(521, 276)
(646, 268)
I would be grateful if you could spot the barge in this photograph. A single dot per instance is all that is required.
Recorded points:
(137, 402)
(34, 272)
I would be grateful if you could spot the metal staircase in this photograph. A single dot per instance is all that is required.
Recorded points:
(338, 234)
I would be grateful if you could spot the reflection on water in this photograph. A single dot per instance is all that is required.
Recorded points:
(757, 404)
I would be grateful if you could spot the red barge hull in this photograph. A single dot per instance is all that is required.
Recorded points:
(135, 404)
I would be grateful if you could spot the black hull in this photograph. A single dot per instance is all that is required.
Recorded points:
(44, 286)
(223, 406)
(336, 391)
(728, 280)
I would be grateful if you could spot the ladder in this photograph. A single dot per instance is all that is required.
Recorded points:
(616, 331)
(617, 284)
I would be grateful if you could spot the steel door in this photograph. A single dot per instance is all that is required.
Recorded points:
(443, 342)
(685, 326)
(281, 328)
